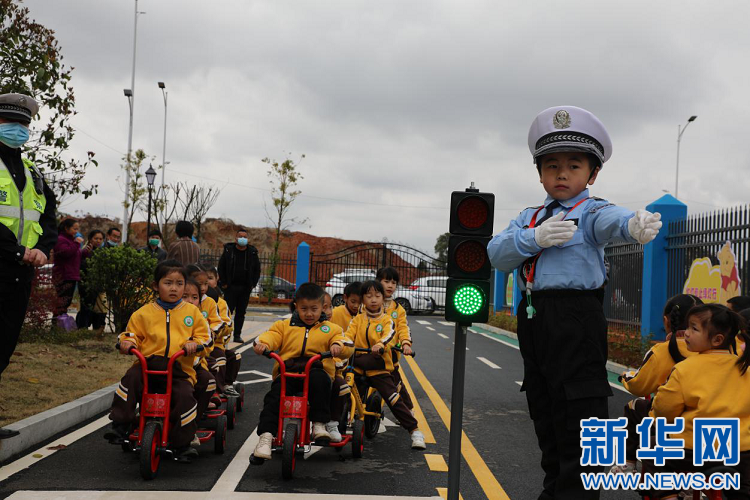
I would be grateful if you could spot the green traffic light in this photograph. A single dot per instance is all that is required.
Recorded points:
(468, 299)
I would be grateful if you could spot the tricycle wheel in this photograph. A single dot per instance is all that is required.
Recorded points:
(358, 438)
(289, 447)
(231, 411)
(150, 444)
(241, 401)
(372, 424)
(220, 435)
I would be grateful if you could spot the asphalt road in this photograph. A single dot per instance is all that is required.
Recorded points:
(500, 450)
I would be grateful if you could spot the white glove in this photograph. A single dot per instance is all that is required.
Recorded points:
(644, 226)
(554, 231)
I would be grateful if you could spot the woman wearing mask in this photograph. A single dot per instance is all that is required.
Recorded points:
(154, 246)
(87, 315)
(66, 272)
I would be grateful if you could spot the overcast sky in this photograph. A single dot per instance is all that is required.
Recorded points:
(398, 103)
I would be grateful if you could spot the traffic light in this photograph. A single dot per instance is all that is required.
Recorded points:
(468, 289)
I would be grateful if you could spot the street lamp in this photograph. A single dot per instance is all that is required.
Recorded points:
(164, 148)
(680, 131)
(150, 176)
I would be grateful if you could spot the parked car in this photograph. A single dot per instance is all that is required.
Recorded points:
(282, 289)
(431, 286)
(414, 302)
(335, 286)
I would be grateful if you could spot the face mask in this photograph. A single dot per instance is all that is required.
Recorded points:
(154, 242)
(13, 135)
(242, 242)
(113, 243)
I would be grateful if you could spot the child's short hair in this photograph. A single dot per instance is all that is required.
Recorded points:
(353, 288)
(184, 229)
(167, 267)
(309, 291)
(739, 303)
(717, 319)
(372, 285)
(194, 269)
(676, 309)
(213, 270)
(387, 273)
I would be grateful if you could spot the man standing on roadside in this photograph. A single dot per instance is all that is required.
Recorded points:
(153, 246)
(184, 250)
(28, 226)
(113, 238)
(239, 271)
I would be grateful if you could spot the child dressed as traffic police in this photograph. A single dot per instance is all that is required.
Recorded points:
(558, 248)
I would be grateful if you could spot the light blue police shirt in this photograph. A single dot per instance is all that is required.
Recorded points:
(577, 264)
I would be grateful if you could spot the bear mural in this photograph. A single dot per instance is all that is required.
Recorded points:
(714, 284)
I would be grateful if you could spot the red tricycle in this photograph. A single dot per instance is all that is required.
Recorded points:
(294, 430)
(150, 437)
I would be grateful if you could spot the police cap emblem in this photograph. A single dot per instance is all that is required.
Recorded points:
(561, 119)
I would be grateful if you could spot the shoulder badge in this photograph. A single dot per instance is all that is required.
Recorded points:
(379, 328)
(325, 328)
(394, 315)
(205, 314)
(188, 321)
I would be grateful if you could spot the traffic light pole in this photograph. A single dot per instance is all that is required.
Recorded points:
(457, 407)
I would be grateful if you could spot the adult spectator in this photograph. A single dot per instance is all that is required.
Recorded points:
(184, 250)
(113, 237)
(239, 271)
(28, 224)
(153, 247)
(88, 314)
(66, 272)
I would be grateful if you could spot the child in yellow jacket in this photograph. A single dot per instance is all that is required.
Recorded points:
(158, 330)
(297, 340)
(374, 329)
(342, 315)
(713, 384)
(389, 278)
(654, 371)
(340, 390)
(228, 373)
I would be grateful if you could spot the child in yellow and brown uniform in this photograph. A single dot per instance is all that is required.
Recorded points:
(158, 330)
(654, 371)
(297, 340)
(233, 358)
(342, 315)
(713, 384)
(340, 390)
(373, 329)
(389, 278)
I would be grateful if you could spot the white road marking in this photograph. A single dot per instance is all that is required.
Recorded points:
(42, 453)
(488, 363)
(519, 382)
(430, 328)
(244, 348)
(423, 322)
(389, 423)
(264, 377)
(313, 450)
(232, 475)
(446, 323)
(443, 335)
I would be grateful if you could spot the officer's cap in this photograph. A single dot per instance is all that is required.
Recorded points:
(568, 129)
(18, 107)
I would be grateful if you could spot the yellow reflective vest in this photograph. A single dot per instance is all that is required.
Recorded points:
(21, 212)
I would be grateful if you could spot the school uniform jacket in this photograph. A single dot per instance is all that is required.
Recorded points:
(226, 332)
(654, 370)
(398, 315)
(366, 332)
(341, 316)
(708, 385)
(294, 339)
(160, 332)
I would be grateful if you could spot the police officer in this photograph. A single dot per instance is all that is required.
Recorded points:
(27, 222)
(558, 248)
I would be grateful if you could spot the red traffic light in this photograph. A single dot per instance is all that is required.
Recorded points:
(470, 256)
(472, 212)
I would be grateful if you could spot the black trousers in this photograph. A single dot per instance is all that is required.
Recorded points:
(635, 411)
(14, 299)
(564, 350)
(237, 297)
(319, 396)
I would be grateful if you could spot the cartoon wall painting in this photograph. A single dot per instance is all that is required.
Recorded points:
(714, 284)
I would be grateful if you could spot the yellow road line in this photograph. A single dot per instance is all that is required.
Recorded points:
(484, 476)
(436, 463)
(443, 492)
(429, 438)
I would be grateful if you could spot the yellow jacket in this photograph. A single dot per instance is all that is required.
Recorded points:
(160, 332)
(708, 385)
(226, 331)
(366, 332)
(294, 339)
(210, 311)
(341, 316)
(398, 315)
(654, 370)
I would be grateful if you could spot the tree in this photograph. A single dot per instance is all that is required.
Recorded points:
(31, 63)
(137, 191)
(196, 201)
(441, 250)
(284, 177)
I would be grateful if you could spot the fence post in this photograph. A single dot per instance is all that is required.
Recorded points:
(498, 302)
(302, 274)
(656, 266)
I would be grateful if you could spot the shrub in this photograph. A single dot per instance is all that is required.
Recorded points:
(125, 275)
(42, 304)
(504, 320)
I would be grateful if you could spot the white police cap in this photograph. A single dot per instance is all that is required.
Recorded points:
(567, 129)
(18, 107)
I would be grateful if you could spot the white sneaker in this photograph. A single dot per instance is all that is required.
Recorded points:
(320, 433)
(628, 468)
(195, 443)
(333, 429)
(263, 448)
(417, 441)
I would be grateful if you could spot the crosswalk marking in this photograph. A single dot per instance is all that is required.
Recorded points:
(423, 322)
(488, 363)
(232, 475)
(443, 335)
(446, 323)
(519, 382)
(430, 328)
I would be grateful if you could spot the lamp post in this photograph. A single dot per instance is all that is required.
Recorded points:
(150, 176)
(680, 131)
(164, 93)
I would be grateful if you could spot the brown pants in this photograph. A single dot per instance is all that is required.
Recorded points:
(401, 387)
(217, 363)
(386, 386)
(205, 387)
(233, 366)
(182, 416)
(340, 393)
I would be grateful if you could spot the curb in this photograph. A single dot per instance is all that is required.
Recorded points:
(613, 367)
(42, 426)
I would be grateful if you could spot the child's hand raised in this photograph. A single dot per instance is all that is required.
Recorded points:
(190, 347)
(260, 348)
